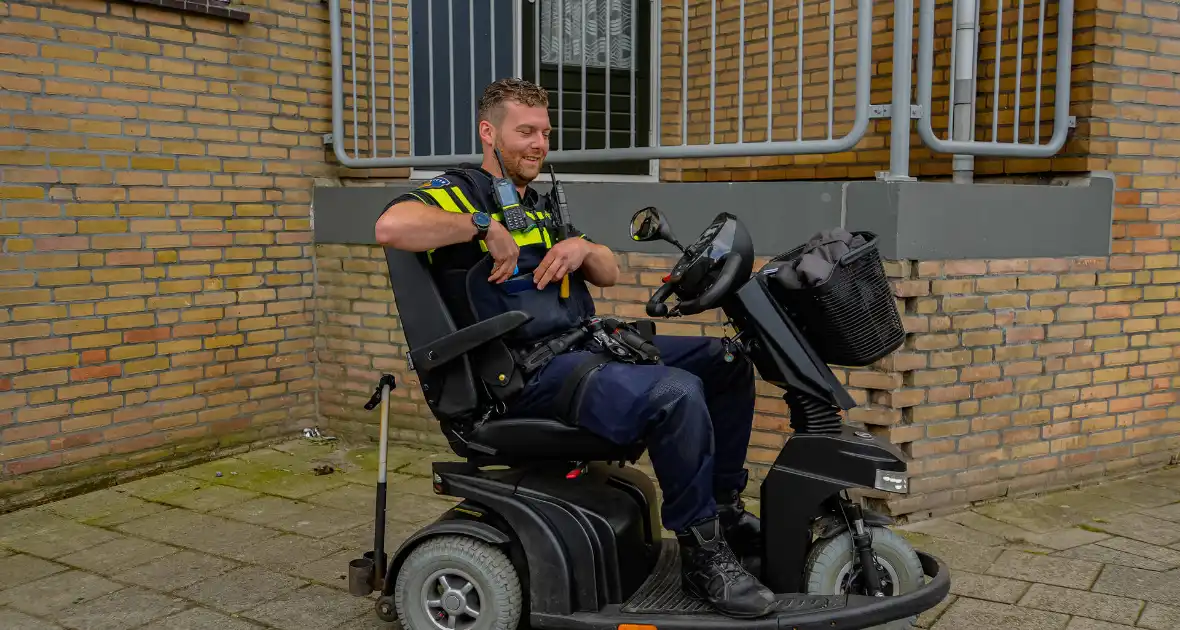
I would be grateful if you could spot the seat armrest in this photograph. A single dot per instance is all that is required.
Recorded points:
(442, 351)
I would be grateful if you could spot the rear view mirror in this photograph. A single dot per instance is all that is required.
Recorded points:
(648, 225)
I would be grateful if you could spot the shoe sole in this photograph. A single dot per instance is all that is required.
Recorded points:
(693, 592)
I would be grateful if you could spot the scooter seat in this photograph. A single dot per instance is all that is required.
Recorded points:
(548, 439)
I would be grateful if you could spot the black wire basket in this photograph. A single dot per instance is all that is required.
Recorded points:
(851, 318)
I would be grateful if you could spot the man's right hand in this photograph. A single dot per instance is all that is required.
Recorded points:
(504, 251)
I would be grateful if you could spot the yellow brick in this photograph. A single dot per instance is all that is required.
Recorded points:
(102, 226)
(224, 341)
(152, 163)
(96, 341)
(24, 192)
(182, 345)
(27, 313)
(91, 405)
(142, 320)
(61, 278)
(135, 351)
(149, 365)
(51, 361)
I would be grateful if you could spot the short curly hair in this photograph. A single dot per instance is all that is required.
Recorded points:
(497, 93)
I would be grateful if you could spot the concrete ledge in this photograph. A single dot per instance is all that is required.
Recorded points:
(915, 220)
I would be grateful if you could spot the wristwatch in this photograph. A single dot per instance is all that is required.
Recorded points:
(482, 221)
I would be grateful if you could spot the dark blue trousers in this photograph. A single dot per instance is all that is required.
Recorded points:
(696, 412)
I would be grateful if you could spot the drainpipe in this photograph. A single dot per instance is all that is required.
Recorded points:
(967, 38)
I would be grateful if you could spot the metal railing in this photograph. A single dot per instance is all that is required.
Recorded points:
(644, 79)
(961, 120)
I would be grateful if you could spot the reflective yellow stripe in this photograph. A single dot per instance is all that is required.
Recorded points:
(444, 200)
(458, 192)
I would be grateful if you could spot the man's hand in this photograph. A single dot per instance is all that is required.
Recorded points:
(504, 251)
(565, 257)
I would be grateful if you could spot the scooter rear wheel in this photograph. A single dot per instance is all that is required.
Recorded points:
(459, 583)
(831, 570)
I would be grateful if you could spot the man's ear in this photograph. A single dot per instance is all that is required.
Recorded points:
(487, 133)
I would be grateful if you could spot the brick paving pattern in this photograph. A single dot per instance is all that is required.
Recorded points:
(261, 540)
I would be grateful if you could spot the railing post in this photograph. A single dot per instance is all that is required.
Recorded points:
(964, 49)
(903, 51)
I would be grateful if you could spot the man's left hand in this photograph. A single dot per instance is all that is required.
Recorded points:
(565, 257)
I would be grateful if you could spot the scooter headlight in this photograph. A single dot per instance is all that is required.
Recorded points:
(890, 481)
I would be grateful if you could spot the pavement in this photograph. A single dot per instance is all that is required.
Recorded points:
(263, 540)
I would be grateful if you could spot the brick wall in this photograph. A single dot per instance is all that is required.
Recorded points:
(155, 178)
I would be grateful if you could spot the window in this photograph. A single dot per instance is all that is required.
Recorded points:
(459, 47)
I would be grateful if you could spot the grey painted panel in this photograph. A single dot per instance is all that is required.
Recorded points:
(914, 220)
(945, 220)
(872, 206)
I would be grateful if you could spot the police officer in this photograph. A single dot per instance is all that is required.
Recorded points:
(695, 410)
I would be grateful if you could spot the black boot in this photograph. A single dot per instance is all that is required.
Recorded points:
(743, 531)
(711, 572)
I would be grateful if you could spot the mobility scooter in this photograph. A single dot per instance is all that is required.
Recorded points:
(556, 530)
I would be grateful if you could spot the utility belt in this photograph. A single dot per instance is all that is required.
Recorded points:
(629, 342)
(607, 340)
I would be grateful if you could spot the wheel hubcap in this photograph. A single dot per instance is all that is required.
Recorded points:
(452, 600)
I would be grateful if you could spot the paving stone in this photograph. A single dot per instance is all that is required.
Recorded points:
(285, 552)
(22, 523)
(350, 498)
(1082, 623)
(371, 622)
(1069, 538)
(360, 538)
(981, 523)
(266, 472)
(1137, 493)
(206, 498)
(293, 516)
(1029, 567)
(419, 463)
(162, 485)
(310, 608)
(1055, 511)
(176, 571)
(1167, 478)
(330, 571)
(1141, 527)
(1152, 586)
(1106, 555)
(928, 617)
(1167, 512)
(424, 486)
(121, 610)
(200, 619)
(19, 569)
(991, 588)
(1082, 603)
(105, 508)
(1159, 617)
(240, 589)
(65, 538)
(1166, 556)
(16, 620)
(47, 596)
(118, 554)
(973, 614)
(413, 508)
(202, 532)
(955, 554)
(942, 528)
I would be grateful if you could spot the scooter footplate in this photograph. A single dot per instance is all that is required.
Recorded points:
(662, 593)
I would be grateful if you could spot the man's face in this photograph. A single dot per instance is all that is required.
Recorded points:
(523, 139)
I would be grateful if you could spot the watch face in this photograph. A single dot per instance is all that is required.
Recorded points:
(482, 220)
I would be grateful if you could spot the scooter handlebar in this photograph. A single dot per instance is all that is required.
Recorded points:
(656, 306)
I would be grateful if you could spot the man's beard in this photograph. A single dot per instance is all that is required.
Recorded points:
(514, 165)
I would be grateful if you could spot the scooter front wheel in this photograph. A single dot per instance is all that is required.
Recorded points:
(834, 569)
(458, 583)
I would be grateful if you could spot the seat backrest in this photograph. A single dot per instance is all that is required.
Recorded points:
(450, 391)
